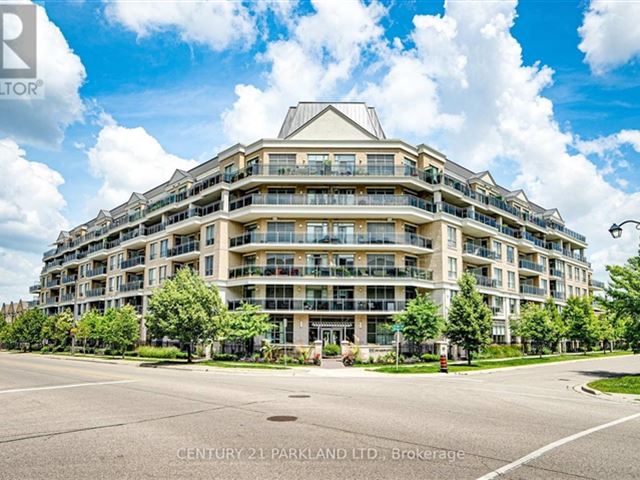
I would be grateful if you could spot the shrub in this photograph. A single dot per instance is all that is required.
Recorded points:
(430, 357)
(44, 350)
(289, 359)
(224, 357)
(160, 352)
(331, 350)
(501, 351)
(131, 354)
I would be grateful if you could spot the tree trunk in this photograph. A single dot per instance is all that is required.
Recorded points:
(189, 358)
(469, 357)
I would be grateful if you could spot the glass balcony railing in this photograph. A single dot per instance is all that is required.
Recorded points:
(531, 290)
(132, 262)
(96, 271)
(95, 292)
(34, 288)
(184, 248)
(51, 300)
(365, 305)
(558, 295)
(67, 298)
(596, 283)
(69, 279)
(131, 286)
(484, 281)
(333, 239)
(556, 273)
(328, 272)
(52, 283)
(529, 265)
(479, 251)
(333, 200)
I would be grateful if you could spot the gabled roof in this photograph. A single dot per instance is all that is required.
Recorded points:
(136, 198)
(62, 236)
(517, 194)
(553, 213)
(358, 113)
(103, 215)
(178, 177)
(484, 176)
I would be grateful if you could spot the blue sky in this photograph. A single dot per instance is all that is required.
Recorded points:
(158, 76)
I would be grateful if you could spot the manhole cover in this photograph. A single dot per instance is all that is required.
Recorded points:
(299, 396)
(282, 418)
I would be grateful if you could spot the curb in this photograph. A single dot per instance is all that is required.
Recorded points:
(592, 391)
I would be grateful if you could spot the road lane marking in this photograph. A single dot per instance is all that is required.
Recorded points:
(73, 385)
(551, 446)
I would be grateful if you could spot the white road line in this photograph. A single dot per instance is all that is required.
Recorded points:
(74, 385)
(551, 446)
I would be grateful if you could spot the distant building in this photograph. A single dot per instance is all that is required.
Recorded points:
(12, 310)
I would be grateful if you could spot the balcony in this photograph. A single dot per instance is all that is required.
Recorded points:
(556, 273)
(558, 295)
(131, 286)
(95, 292)
(51, 300)
(596, 284)
(479, 251)
(97, 248)
(55, 265)
(69, 279)
(326, 200)
(532, 266)
(484, 281)
(34, 288)
(184, 249)
(332, 239)
(531, 290)
(497, 311)
(570, 233)
(324, 305)
(132, 262)
(68, 298)
(52, 283)
(524, 235)
(330, 272)
(97, 271)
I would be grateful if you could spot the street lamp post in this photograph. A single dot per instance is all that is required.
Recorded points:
(616, 230)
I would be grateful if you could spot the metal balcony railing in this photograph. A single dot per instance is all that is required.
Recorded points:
(329, 272)
(95, 292)
(69, 279)
(132, 262)
(479, 251)
(131, 286)
(333, 239)
(365, 305)
(189, 247)
(94, 272)
(531, 290)
(529, 265)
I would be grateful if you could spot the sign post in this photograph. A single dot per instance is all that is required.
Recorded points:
(442, 346)
(397, 328)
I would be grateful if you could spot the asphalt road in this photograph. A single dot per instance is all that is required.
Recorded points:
(62, 418)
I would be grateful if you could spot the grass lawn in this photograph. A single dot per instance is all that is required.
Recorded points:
(491, 364)
(627, 384)
(230, 364)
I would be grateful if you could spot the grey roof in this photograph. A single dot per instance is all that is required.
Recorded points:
(358, 112)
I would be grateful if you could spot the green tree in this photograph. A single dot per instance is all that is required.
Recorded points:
(56, 328)
(121, 327)
(581, 321)
(186, 309)
(535, 324)
(560, 328)
(26, 330)
(604, 330)
(622, 299)
(89, 327)
(420, 320)
(470, 321)
(246, 323)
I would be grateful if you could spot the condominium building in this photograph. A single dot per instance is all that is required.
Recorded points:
(331, 228)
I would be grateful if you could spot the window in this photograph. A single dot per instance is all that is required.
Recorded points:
(318, 162)
(510, 254)
(544, 285)
(584, 276)
(410, 167)
(543, 262)
(345, 164)
(317, 231)
(570, 291)
(282, 163)
(381, 232)
(162, 274)
(152, 276)
(280, 231)
(252, 166)
(344, 232)
(120, 259)
(497, 247)
(410, 261)
(380, 260)
(513, 306)
(210, 234)
(112, 263)
(164, 248)
(118, 282)
(111, 284)
(378, 292)
(511, 280)
(379, 330)
(153, 251)
(380, 164)
(317, 260)
(208, 265)
(346, 260)
(497, 276)
(452, 236)
(453, 267)
(281, 329)
(570, 272)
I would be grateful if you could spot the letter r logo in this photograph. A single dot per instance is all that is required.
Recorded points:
(19, 41)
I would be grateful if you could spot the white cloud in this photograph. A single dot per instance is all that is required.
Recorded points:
(129, 160)
(322, 50)
(42, 122)
(216, 24)
(30, 209)
(610, 34)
